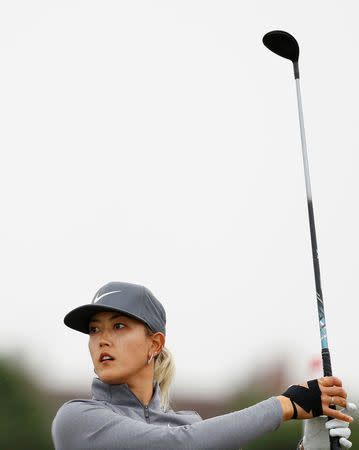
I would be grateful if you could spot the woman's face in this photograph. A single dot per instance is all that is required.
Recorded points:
(125, 340)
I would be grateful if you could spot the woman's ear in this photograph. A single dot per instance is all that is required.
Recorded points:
(158, 342)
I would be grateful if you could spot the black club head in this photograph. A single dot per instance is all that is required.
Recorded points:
(283, 44)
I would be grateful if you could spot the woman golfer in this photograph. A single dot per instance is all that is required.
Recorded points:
(130, 409)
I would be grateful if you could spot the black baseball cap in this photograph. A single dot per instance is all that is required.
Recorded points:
(133, 300)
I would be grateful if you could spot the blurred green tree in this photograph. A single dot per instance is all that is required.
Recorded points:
(25, 411)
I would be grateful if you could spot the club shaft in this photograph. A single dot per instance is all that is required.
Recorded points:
(320, 304)
(327, 367)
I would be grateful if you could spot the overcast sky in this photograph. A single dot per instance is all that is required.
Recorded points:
(157, 142)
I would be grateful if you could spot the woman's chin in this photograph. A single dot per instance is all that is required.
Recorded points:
(111, 378)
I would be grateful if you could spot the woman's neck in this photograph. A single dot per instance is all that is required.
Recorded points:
(143, 389)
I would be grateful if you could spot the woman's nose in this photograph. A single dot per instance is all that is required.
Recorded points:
(105, 338)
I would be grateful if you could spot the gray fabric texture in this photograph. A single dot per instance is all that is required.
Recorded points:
(116, 419)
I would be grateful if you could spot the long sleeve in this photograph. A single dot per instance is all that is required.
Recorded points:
(85, 424)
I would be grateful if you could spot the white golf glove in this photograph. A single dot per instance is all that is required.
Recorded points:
(316, 436)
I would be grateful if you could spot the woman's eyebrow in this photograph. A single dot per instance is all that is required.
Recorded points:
(111, 318)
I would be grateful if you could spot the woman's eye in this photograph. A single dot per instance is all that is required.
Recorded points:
(92, 330)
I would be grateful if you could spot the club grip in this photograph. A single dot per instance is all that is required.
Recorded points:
(334, 441)
(327, 369)
(327, 365)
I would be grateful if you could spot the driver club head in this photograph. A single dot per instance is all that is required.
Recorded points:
(283, 44)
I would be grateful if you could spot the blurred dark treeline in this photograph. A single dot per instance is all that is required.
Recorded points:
(27, 410)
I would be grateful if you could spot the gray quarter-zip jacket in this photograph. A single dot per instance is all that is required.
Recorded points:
(116, 419)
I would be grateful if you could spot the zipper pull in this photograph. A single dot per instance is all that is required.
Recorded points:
(147, 415)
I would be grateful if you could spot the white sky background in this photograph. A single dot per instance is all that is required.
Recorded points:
(158, 143)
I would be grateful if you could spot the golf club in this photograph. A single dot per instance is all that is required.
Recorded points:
(285, 45)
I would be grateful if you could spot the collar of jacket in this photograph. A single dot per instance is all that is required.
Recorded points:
(121, 394)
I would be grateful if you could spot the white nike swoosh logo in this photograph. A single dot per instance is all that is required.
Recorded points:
(103, 295)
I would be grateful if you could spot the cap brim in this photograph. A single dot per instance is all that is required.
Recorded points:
(78, 318)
